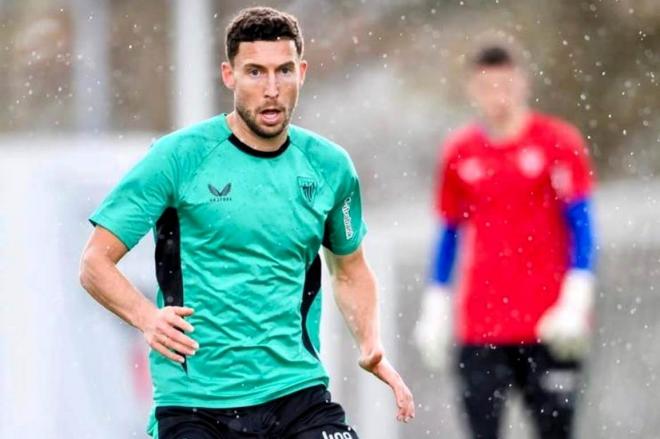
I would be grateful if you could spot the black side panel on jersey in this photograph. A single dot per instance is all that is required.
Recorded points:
(311, 289)
(168, 260)
(326, 237)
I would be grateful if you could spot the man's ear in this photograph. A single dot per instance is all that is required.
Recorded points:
(227, 73)
(303, 71)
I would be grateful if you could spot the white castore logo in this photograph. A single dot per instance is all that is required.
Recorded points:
(346, 210)
(336, 435)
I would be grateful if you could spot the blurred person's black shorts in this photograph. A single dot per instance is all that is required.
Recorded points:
(306, 414)
(549, 388)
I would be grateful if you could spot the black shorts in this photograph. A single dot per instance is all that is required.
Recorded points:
(306, 414)
(549, 388)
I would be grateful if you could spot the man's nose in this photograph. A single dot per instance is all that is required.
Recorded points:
(272, 87)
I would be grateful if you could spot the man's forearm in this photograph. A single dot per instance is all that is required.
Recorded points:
(356, 295)
(357, 298)
(108, 286)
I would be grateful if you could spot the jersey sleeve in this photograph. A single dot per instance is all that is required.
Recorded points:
(580, 224)
(444, 255)
(449, 201)
(345, 227)
(571, 173)
(137, 202)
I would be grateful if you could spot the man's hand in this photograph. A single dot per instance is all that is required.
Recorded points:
(566, 327)
(375, 362)
(162, 328)
(99, 275)
(357, 298)
(433, 331)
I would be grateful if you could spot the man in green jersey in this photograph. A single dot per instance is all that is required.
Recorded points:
(240, 205)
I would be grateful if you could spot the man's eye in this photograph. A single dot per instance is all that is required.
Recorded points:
(286, 70)
(253, 72)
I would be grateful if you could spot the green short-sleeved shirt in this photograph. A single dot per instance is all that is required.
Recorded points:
(238, 234)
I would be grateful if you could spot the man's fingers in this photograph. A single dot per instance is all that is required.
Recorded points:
(165, 334)
(180, 323)
(180, 337)
(165, 352)
(376, 363)
(406, 404)
(182, 311)
(406, 407)
(404, 399)
(175, 346)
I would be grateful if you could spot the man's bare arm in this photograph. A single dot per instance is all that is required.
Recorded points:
(102, 279)
(354, 285)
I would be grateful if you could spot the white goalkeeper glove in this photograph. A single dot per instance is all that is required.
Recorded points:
(566, 327)
(433, 331)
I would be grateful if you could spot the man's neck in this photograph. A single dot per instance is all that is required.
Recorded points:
(245, 134)
(503, 130)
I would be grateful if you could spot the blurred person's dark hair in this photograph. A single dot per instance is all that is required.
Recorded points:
(496, 49)
(261, 24)
(493, 56)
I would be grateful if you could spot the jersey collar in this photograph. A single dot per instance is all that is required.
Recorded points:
(256, 152)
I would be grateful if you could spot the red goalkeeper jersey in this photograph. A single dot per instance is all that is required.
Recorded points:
(508, 201)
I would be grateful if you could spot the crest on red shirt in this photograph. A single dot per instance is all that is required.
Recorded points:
(531, 161)
(470, 170)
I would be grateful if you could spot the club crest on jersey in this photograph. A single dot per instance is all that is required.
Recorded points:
(470, 170)
(531, 162)
(307, 188)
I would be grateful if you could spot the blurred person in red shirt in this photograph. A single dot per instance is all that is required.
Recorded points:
(513, 198)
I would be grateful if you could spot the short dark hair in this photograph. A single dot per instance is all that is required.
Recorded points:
(261, 24)
(493, 56)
